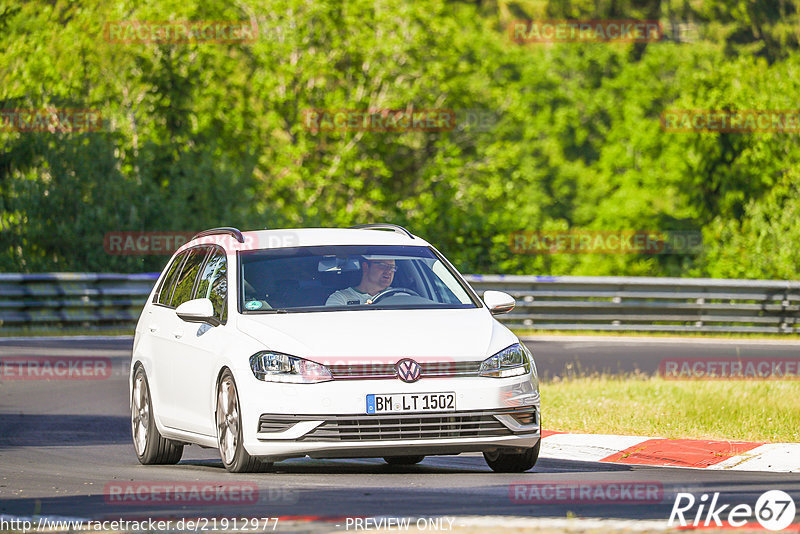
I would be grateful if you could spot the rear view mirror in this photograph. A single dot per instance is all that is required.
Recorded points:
(498, 302)
(197, 311)
(333, 264)
(327, 264)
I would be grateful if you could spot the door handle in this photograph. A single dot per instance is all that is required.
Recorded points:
(153, 328)
(177, 333)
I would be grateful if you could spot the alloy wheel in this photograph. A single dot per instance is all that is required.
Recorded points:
(227, 420)
(140, 414)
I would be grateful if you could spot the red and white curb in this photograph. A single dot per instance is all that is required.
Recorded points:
(662, 452)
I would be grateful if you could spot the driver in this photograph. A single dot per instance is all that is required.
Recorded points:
(376, 276)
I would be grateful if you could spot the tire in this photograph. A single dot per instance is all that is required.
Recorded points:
(403, 460)
(151, 448)
(512, 462)
(229, 430)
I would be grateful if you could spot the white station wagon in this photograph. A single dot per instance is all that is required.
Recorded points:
(329, 343)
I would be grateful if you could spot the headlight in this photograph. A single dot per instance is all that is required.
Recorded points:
(515, 360)
(279, 367)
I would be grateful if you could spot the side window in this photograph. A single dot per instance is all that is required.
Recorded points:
(188, 276)
(165, 293)
(213, 283)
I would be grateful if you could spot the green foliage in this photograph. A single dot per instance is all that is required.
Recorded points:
(209, 134)
(764, 240)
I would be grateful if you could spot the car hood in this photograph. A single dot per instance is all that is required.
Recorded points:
(381, 335)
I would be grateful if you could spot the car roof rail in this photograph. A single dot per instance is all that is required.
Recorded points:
(384, 226)
(221, 230)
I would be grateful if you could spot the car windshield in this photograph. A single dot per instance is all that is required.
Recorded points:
(349, 277)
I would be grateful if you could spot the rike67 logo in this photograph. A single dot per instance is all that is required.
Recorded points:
(774, 510)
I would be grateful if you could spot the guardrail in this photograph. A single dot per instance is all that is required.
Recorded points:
(648, 304)
(69, 301)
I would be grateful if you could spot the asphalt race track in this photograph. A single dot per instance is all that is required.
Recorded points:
(585, 355)
(65, 444)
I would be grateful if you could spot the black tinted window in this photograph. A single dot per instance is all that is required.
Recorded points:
(321, 278)
(165, 293)
(186, 280)
(213, 283)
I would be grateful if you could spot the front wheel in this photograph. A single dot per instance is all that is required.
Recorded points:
(151, 447)
(229, 430)
(512, 462)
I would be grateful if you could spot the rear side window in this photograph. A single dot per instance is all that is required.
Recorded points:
(213, 283)
(165, 293)
(186, 280)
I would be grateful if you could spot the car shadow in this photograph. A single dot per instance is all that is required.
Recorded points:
(433, 465)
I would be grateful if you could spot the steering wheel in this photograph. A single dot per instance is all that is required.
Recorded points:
(392, 291)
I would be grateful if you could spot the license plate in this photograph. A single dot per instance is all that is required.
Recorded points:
(411, 402)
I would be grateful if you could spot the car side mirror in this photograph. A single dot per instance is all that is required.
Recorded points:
(197, 311)
(498, 302)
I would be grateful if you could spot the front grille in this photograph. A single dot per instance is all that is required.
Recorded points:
(387, 370)
(431, 369)
(274, 424)
(403, 426)
(400, 428)
(373, 370)
(527, 417)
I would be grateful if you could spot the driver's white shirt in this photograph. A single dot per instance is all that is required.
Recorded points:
(349, 297)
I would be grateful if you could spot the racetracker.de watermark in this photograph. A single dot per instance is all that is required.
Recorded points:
(151, 525)
(165, 243)
(54, 368)
(396, 120)
(729, 368)
(180, 32)
(731, 121)
(603, 492)
(606, 242)
(476, 119)
(53, 120)
(171, 493)
(585, 31)
(379, 120)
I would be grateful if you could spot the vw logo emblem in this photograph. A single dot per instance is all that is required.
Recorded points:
(408, 370)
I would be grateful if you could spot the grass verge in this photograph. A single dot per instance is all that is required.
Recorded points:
(639, 405)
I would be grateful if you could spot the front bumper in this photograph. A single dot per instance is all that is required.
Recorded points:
(333, 423)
